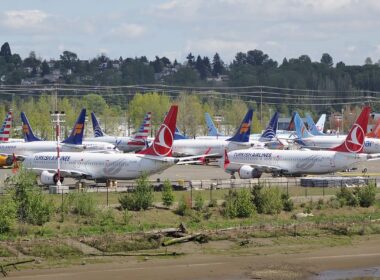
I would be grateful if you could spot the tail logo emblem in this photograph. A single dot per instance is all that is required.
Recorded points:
(163, 143)
(25, 129)
(78, 129)
(355, 140)
(244, 127)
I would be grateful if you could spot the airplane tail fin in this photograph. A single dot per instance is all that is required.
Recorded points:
(312, 127)
(321, 123)
(243, 132)
(6, 128)
(76, 135)
(300, 127)
(212, 130)
(291, 123)
(27, 129)
(270, 132)
(163, 142)
(144, 130)
(178, 135)
(354, 141)
(98, 132)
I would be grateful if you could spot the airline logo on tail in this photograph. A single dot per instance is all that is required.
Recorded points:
(78, 129)
(163, 146)
(25, 129)
(244, 127)
(98, 131)
(355, 140)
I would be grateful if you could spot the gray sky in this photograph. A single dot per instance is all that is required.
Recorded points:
(346, 29)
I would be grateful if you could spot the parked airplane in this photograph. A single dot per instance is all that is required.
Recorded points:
(84, 145)
(187, 147)
(72, 143)
(267, 139)
(306, 139)
(125, 144)
(101, 167)
(252, 163)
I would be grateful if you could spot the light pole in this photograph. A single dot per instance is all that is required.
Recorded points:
(57, 119)
(342, 120)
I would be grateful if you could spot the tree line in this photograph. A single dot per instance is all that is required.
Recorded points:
(250, 68)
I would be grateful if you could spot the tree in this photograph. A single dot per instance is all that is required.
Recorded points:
(256, 57)
(45, 69)
(368, 61)
(327, 60)
(5, 51)
(217, 66)
(167, 193)
(141, 198)
(190, 59)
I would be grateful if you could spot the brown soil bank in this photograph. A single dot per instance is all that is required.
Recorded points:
(269, 258)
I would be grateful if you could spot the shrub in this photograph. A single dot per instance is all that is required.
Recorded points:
(199, 202)
(141, 198)
(83, 204)
(213, 203)
(32, 205)
(367, 195)
(288, 204)
(347, 197)
(238, 204)
(184, 206)
(267, 200)
(167, 194)
(7, 214)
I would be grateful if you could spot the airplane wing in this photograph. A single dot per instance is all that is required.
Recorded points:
(65, 173)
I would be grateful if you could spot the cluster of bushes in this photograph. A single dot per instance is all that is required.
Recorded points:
(141, 198)
(26, 203)
(359, 196)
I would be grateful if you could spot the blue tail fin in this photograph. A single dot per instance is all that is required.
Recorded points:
(178, 135)
(243, 132)
(270, 132)
(212, 130)
(76, 135)
(95, 125)
(301, 129)
(27, 129)
(321, 123)
(312, 127)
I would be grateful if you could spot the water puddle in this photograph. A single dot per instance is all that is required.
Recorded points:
(353, 274)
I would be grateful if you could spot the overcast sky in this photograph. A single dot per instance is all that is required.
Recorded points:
(346, 29)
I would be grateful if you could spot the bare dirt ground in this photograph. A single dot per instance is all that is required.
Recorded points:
(282, 258)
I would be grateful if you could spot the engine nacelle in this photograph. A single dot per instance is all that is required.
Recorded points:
(49, 179)
(247, 172)
(6, 161)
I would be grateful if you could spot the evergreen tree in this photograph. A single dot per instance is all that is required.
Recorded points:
(5, 51)
(217, 66)
(326, 59)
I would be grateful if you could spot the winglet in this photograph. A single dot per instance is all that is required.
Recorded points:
(244, 130)
(76, 135)
(98, 132)
(27, 130)
(354, 141)
(163, 142)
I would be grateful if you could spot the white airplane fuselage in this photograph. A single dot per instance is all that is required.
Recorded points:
(295, 161)
(99, 166)
(371, 145)
(29, 148)
(192, 147)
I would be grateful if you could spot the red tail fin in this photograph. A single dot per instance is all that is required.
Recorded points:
(354, 141)
(162, 144)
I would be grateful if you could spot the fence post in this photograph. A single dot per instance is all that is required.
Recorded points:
(323, 190)
(287, 188)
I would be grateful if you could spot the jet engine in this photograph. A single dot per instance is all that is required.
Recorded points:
(49, 179)
(247, 172)
(6, 161)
